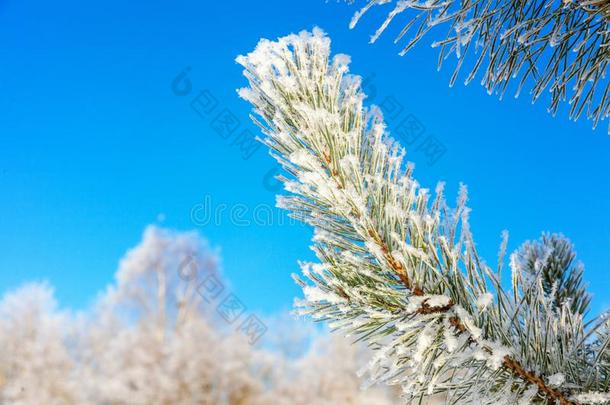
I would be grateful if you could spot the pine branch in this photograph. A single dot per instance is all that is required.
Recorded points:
(552, 261)
(559, 45)
(398, 267)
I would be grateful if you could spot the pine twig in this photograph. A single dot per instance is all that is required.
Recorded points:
(398, 268)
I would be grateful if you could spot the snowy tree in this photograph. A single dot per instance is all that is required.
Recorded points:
(152, 339)
(36, 365)
(560, 46)
(326, 374)
(398, 267)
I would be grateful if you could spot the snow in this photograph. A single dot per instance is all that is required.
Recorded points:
(424, 341)
(484, 300)
(316, 295)
(437, 300)
(496, 359)
(451, 341)
(556, 380)
(593, 398)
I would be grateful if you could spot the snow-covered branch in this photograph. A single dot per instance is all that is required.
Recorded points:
(559, 46)
(398, 267)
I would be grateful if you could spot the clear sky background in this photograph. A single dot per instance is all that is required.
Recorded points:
(95, 145)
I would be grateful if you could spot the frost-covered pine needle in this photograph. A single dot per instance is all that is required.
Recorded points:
(559, 46)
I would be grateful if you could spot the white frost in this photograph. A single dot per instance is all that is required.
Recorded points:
(556, 379)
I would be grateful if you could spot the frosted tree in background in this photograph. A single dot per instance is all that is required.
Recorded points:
(398, 267)
(36, 366)
(326, 374)
(152, 339)
(559, 46)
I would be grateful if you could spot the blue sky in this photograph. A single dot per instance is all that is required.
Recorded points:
(95, 144)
